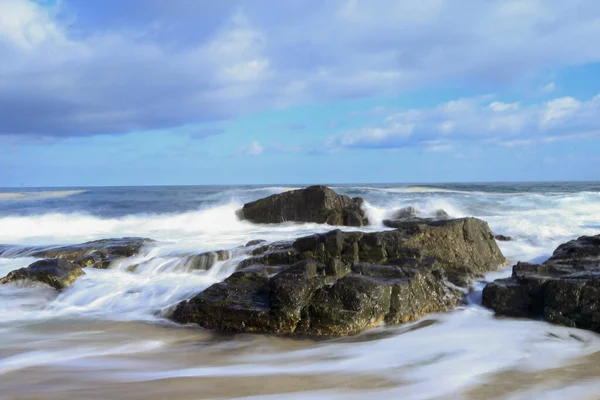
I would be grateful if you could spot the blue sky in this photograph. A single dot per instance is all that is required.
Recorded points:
(154, 92)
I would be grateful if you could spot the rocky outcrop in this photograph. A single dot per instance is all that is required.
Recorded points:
(63, 264)
(56, 272)
(410, 214)
(313, 204)
(405, 213)
(340, 283)
(441, 215)
(563, 290)
(97, 253)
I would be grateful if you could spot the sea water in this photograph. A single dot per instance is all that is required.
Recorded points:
(107, 335)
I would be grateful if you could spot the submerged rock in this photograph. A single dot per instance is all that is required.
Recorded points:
(56, 272)
(205, 261)
(340, 283)
(502, 238)
(313, 204)
(94, 252)
(409, 214)
(441, 214)
(405, 213)
(563, 290)
(63, 264)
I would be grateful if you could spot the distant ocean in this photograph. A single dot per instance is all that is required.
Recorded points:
(105, 337)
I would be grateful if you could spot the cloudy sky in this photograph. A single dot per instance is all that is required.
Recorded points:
(142, 92)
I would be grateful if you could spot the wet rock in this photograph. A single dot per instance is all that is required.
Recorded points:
(408, 215)
(405, 213)
(204, 261)
(254, 242)
(94, 253)
(313, 204)
(563, 290)
(340, 283)
(441, 214)
(56, 272)
(502, 238)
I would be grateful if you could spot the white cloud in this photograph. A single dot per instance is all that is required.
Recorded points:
(178, 63)
(253, 149)
(549, 88)
(558, 109)
(27, 25)
(498, 106)
(475, 120)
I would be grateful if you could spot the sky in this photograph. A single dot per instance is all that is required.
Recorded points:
(192, 92)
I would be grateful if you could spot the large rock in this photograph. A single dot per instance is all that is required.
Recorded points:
(56, 272)
(340, 283)
(564, 290)
(313, 204)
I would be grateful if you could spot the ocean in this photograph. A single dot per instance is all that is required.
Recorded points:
(106, 337)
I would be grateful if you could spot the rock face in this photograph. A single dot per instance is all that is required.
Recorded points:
(563, 290)
(313, 204)
(56, 272)
(340, 283)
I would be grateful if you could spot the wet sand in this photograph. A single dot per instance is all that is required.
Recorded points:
(81, 359)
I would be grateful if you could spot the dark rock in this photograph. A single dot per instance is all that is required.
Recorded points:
(407, 216)
(56, 272)
(502, 238)
(313, 204)
(441, 214)
(90, 253)
(340, 283)
(96, 254)
(254, 242)
(405, 213)
(563, 290)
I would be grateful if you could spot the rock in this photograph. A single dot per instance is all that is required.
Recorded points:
(313, 204)
(94, 253)
(409, 215)
(205, 261)
(405, 213)
(502, 238)
(255, 242)
(340, 283)
(56, 272)
(563, 290)
(441, 214)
